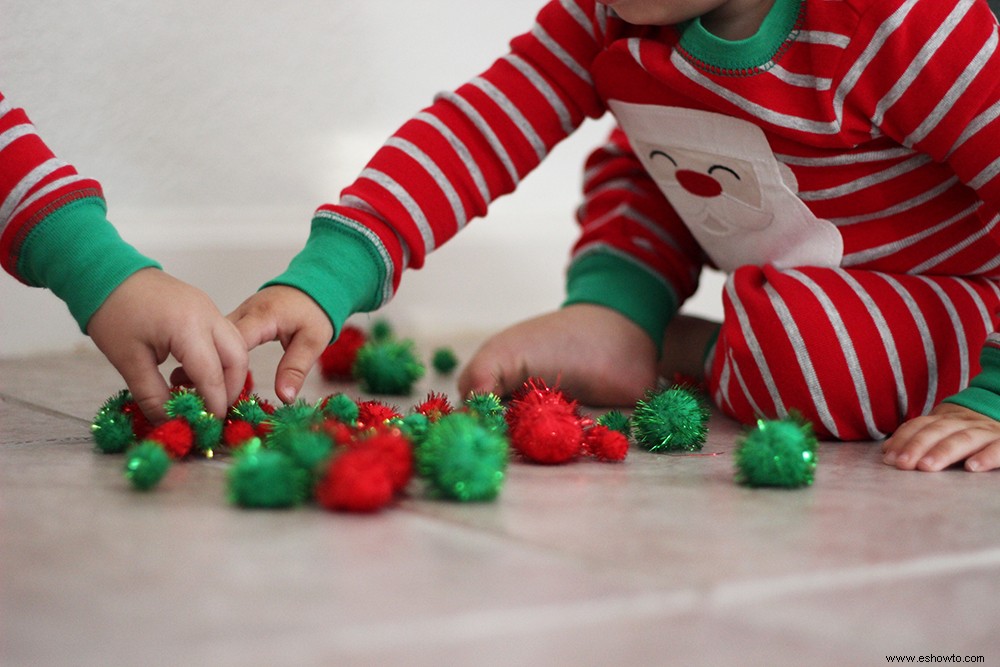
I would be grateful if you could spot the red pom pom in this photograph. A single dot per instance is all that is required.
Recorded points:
(140, 425)
(434, 407)
(605, 444)
(247, 390)
(176, 436)
(355, 481)
(372, 414)
(237, 432)
(338, 358)
(544, 426)
(395, 452)
(339, 432)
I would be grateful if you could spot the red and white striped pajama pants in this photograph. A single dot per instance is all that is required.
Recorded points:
(855, 352)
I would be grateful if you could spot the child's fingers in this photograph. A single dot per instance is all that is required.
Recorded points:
(202, 365)
(913, 440)
(232, 352)
(955, 447)
(147, 386)
(301, 353)
(985, 459)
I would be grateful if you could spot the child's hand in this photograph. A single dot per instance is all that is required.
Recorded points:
(950, 433)
(152, 315)
(290, 316)
(598, 356)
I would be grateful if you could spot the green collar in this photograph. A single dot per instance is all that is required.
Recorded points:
(745, 55)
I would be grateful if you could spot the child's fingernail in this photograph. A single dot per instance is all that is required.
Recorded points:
(972, 465)
(902, 460)
(927, 462)
(890, 458)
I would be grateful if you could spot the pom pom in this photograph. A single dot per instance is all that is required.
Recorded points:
(395, 452)
(355, 481)
(444, 360)
(616, 421)
(387, 367)
(341, 407)
(372, 414)
(776, 453)
(188, 405)
(434, 406)
(463, 460)
(140, 425)
(252, 409)
(175, 436)
(414, 427)
(672, 420)
(488, 408)
(112, 428)
(235, 434)
(381, 331)
(146, 464)
(265, 478)
(605, 444)
(544, 426)
(338, 358)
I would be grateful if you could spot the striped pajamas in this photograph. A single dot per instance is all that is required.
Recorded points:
(874, 123)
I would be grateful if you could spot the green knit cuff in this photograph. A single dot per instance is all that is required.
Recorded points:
(77, 254)
(612, 281)
(983, 393)
(340, 268)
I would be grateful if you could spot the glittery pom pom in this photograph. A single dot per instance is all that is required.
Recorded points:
(444, 360)
(265, 478)
(776, 453)
(489, 409)
(341, 407)
(434, 406)
(372, 414)
(338, 358)
(356, 480)
(544, 426)
(188, 405)
(146, 464)
(395, 452)
(463, 460)
(235, 434)
(605, 444)
(672, 420)
(387, 367)
(616, 421)
(112, 428)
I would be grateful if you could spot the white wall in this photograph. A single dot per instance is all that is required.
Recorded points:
(216, 128)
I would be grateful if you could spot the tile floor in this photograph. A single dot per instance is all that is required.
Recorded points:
(660, 560)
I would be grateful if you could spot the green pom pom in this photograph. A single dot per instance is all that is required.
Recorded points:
(381, 331)
(414, 427)
(444, 360)
(463, 460)
(307, 449)
(615, 420)
(265, 478)
(672, 420)
(341, 407)
(111, 428)
(387, 367)
(249, 410)
(146, 464)
(777, 453)
(190, 406)
(488, 408)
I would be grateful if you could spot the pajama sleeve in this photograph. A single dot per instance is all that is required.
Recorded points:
(634, 253)
(54, 230)
(444, 167)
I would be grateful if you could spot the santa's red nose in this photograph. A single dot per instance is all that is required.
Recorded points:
(701, 185)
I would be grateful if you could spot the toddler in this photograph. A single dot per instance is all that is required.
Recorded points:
(836, 158)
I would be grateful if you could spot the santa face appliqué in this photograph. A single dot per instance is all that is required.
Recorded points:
(722, 178)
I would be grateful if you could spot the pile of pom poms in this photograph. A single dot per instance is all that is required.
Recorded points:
(378, 361)
(361, 455)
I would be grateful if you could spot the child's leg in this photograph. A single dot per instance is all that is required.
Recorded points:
(854, 352)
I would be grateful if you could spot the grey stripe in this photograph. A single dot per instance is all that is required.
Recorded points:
(546, 91)
(484, 128)
(359, 204)
(780, 410)
(955, 249)
(754, 345)
(580, 17)
(800, 80)
(28, 181)
(919, 62)
(375, 241)
(514, 114)
(877, 252)
(903, 206)
(885, 332)
(435, 172)
(847, 158)
(954, 93)
(52, 186)
(12, 134)
(822, 37)
(406, 200)
(463, 152)
(980, 304)
(986, 175)
(925, 338)
(561, 54)
(847, 347)
(956, 322)
(872, 179)
(978, 123)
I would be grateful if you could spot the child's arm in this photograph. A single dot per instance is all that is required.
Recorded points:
(54, 233)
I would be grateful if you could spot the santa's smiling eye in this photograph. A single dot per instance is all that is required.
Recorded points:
(662, 154)
(720, 167)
